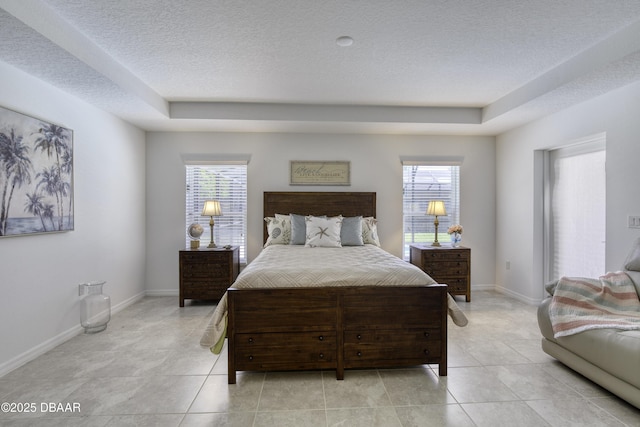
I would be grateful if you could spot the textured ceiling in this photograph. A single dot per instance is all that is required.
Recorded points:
(448, 66)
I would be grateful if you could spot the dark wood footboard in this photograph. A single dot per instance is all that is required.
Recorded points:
(336, 328)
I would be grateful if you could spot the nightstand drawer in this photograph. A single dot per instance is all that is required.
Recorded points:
(447, 255)
(204, 290)
(459, 268)
(206, 269)
(456, 284)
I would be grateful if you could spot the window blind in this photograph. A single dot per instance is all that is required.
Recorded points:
(226, 183)
(423, 182)
(577, 223)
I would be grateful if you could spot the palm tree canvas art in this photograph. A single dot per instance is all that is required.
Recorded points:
(36, 175)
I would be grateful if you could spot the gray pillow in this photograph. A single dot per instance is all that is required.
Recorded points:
(633, 259)
(351, 231)
(298, 230)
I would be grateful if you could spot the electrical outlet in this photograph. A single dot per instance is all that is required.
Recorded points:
(508, 265)
(633, 221)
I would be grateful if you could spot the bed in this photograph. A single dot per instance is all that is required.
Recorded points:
(280, 316)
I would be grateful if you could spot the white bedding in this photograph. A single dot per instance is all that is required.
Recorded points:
(280, 266)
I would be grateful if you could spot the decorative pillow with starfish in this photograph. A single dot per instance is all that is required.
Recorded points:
(323, 231)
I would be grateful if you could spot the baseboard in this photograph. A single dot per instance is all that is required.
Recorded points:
(38, 350)
(126, 303)
(162, 293)
(525, 299)
(483, 288)
(53, 342)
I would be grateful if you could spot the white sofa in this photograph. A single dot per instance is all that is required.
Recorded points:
(608, 357)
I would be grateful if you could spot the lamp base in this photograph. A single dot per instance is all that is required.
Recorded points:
(211, 245)
(435, 224)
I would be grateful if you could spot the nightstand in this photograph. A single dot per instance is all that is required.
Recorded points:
(207, 273)
(445, 264)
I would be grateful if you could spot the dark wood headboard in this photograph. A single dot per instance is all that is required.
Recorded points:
(318, 203)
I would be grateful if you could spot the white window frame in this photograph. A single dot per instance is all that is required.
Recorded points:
(422, 230)
(231, 227)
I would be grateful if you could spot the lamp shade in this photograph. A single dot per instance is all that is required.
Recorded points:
(211, 208)
(436, 207)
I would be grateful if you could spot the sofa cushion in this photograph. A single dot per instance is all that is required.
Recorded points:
(614, 351)
(635, 278)
(633, 259)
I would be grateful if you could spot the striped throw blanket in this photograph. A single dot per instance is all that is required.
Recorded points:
(581, 304)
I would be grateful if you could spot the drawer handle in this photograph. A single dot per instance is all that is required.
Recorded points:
(321, 338)
(321, 355)
(250, 340)
(426, 334)
(359, 337)
(426, 352)
(359, 354)
(250, 357)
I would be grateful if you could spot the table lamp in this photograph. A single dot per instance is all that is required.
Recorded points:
(212, 208)
(436, 208)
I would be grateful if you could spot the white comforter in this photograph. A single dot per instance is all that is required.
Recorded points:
(280, 266)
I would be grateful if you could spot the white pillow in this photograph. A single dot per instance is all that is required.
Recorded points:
(279, 229)
(370, 231)
(323, 232)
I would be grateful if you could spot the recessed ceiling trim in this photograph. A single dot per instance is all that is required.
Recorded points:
(611, 50)
(45, 20)
(324, 113)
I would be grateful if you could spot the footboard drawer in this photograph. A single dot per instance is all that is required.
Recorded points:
(376, 348)
(270, 351)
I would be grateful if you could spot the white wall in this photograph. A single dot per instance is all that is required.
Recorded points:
(518, 217)
(375, 166)
(39, 274)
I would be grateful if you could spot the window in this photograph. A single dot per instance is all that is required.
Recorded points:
(423, 182)
(226, 183)
(576, 216)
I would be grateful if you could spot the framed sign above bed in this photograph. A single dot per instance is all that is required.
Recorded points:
(320, 172)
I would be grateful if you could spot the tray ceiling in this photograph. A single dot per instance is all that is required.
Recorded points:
(450, 66)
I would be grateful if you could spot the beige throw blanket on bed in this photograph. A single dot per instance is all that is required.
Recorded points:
(281, 266)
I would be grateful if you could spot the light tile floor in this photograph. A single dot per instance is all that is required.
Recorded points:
(147, 368)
